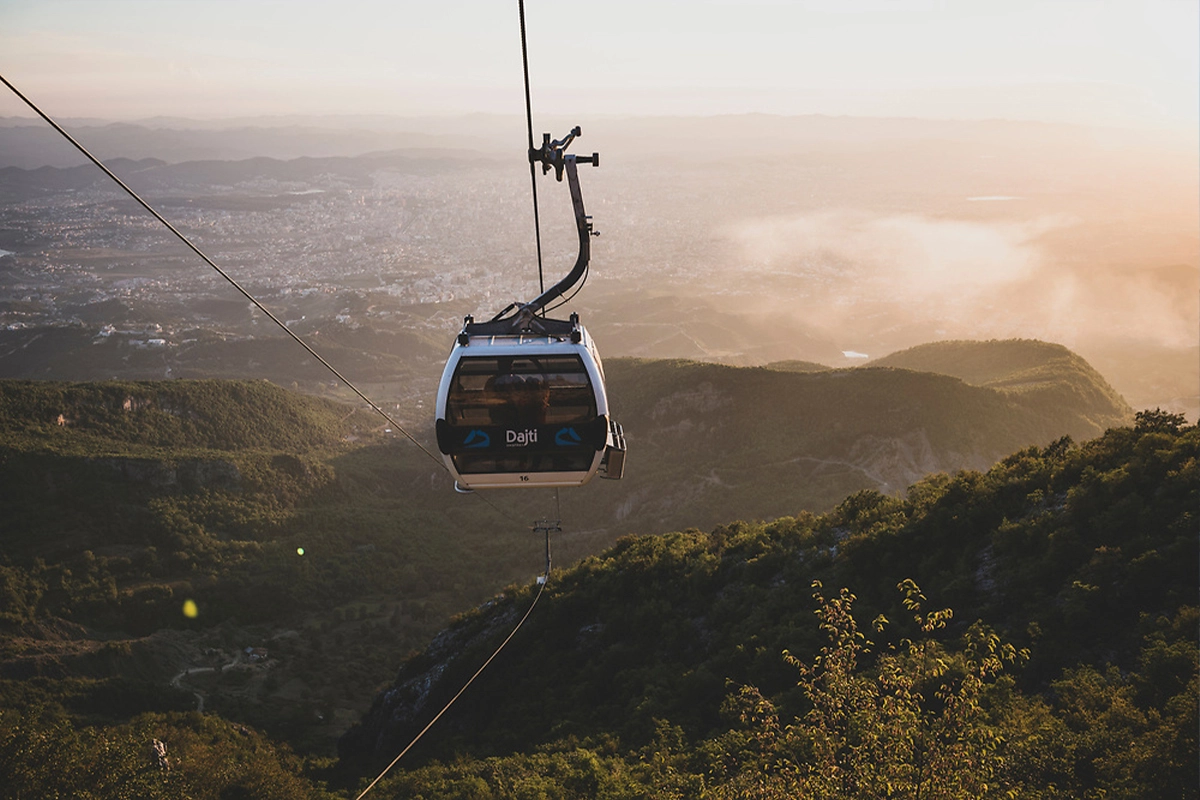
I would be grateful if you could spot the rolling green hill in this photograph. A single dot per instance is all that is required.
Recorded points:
(1048, 372)
(709, 441)
(793, 365)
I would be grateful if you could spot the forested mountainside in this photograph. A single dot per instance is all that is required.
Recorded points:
(1030, 630)
(282, 522)
(169, 485)
(709, 442)
(270, 558)
(1050, 372)
(692, 663)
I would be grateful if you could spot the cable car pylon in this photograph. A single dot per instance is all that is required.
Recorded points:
(547, 527)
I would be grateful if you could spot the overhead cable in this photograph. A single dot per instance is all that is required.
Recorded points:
(150, 209)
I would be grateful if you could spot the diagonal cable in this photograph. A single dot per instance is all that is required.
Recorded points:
(242, 290)
(417, 738)
(220, 271)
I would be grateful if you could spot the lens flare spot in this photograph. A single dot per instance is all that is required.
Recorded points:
(299, 551)
(190, 610)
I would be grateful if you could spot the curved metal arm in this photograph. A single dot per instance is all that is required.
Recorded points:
(584, 225)
(550, 155)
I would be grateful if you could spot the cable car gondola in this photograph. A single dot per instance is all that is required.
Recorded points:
(522, 400)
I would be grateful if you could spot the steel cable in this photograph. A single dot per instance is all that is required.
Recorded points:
(150, 209)
(417, 738)
(537, 225)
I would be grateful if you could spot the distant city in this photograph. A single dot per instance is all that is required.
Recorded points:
(425, 243)
(840, 244)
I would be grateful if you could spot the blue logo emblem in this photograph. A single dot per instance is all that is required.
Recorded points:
(567, 437)
(477, 438)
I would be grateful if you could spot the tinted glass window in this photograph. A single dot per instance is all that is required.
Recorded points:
(520, 391)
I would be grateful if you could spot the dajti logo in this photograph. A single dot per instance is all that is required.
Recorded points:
(521, 438)
(567, 437)
(476, 439)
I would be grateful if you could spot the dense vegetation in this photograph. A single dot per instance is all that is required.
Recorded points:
(125, 502)
(655, 668)
(659, 666)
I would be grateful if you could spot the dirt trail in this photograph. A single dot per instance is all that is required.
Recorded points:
(177, 681)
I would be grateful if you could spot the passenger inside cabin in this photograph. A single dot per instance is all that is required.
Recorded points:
(532, 401)
(518, 400)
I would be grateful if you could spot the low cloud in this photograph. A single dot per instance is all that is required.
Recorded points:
(894, 280)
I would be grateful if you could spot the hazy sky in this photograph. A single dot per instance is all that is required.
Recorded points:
(1131, 63)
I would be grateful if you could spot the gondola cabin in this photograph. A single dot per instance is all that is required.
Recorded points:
(522, 399)
(526, 409)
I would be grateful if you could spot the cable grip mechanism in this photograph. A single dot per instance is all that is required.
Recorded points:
(553, 154)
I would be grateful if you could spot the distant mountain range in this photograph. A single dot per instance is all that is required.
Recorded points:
(29, 143)
(18, 184)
